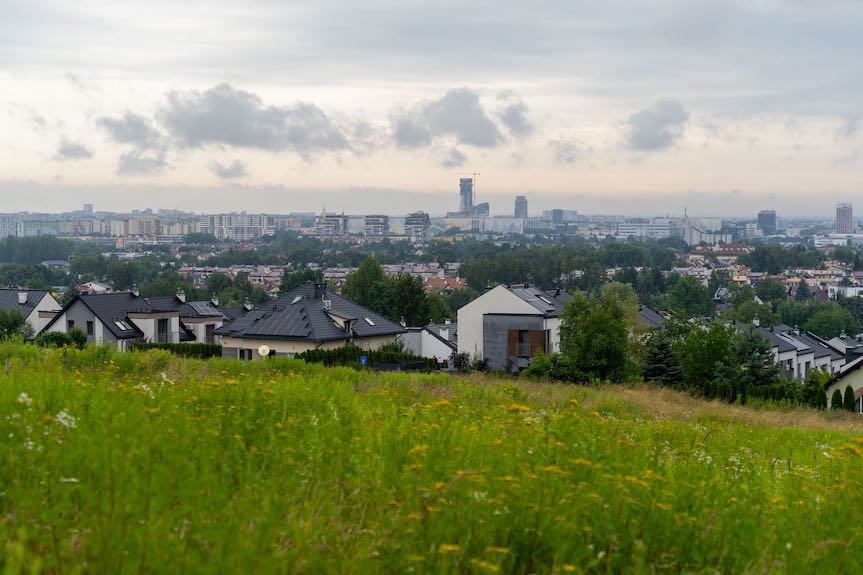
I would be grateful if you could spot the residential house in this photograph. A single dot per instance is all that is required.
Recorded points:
(850, 375)
(432, 341)
(307, 317)
(508, 325)
(198, 319)
(37, 307)
(118, 319)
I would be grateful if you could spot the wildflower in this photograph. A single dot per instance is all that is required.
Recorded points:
(568, 568)
(25, 399)
(573, 402)
(441, 403)
(446, 548)
(419, 450)
(69, 480)
(485, 565)
(516, 407)
(553, 469)
(416, 558)
(501, 550)
(63, 418)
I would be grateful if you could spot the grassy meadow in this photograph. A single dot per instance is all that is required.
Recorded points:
(146, 463)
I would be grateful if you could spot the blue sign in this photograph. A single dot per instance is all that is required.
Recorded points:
(364, 360)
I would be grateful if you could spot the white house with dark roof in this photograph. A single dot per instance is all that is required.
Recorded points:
(305, 318)
(508, 325)
(437, 341)
(37, 307)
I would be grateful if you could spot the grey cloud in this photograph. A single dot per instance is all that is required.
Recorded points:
(235, 169)
(68, 150)
(139, 162)
(453, 159)
(228, 116)
(566, 150)
(656, 128)
(457, 114)
(514, 115)
(131, 128)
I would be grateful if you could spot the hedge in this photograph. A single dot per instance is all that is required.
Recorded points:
(350, 355)
(199, 350)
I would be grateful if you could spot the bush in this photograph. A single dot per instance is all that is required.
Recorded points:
(848, 403)
(198, 350)
(349, 355)
(73, 338)
(836, 400)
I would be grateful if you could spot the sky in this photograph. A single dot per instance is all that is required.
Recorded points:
(617, 107)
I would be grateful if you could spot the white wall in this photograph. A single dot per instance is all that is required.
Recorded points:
(497, 300)
(47, 303)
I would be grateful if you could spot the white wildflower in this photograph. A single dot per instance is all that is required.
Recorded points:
(66, 420)
(29, 445)
(25, 399)
(69, 480)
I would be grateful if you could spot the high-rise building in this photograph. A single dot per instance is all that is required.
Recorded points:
(520, 207)
(417, 226)
(88, 209)
(376, 225)
(767, 222)
(844, 219)
(465, 195)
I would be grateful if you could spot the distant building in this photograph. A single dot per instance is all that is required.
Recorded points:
(844, 219)
(520, 207)
(237, 227)
(88, 209)
(331, 225)
(767, 222)
(417, 225)
(465, 195)
(377, 225)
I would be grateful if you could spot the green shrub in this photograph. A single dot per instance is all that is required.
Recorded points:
(848, 402)
(349, 355)
(836, 400)
(197, 350)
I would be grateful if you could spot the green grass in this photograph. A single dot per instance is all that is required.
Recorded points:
(134, 463)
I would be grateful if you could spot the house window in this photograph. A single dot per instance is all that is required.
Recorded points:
(209, 333)
(91, 328)
(525, 342)
(162, 330)
(70, 323)
(245, 354)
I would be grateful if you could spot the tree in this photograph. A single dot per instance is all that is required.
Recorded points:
(661, 365)
(831, 322)
(292, 280)
(836, 400)
(358, 285)
(690, 297)
(771, 291)
(408, 300)
(700, 350)
(437, 308)
(12, 323)
(594, 337)
(459, 298)
(719, 278)
(848, 402)
(813, 387)
(803, 292)
(822, 399)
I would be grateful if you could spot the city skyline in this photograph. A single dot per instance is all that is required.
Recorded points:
(627, 108)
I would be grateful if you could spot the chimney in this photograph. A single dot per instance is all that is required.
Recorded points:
(447, 321)
(214, 299)
(135, 291)
(181, 295)
(756, 321)
(320, 290)
(444, 333)
(22, 297)
(248, 304)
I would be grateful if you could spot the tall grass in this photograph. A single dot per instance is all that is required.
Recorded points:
(136, 463)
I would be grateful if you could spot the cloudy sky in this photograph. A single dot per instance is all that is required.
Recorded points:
(627, 107)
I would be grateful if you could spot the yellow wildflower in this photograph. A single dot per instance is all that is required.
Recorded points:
(485, 565)
(419, 450)
(517, 407)
(553, 469)
(448, 548)
(501, 550)
(568, 568)
(441, 403)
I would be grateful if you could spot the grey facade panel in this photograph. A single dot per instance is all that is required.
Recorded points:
(495, 342)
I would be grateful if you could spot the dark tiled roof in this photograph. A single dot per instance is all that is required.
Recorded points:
(195, 309)
(818, 346)
(650, 318)
(9, 300)
(550, 303)
(452, 328)
(299, 315)
(232, 313)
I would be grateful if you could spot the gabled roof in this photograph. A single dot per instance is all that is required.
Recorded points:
(299, 315)
(819, 346)
(452, 333)
(549, 303)
(9, 300)
(113, 310)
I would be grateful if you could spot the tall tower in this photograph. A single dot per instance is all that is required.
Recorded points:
(465, 195)
(520, 207)
(844, 219)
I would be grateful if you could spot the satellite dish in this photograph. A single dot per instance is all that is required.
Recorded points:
(263, 351)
